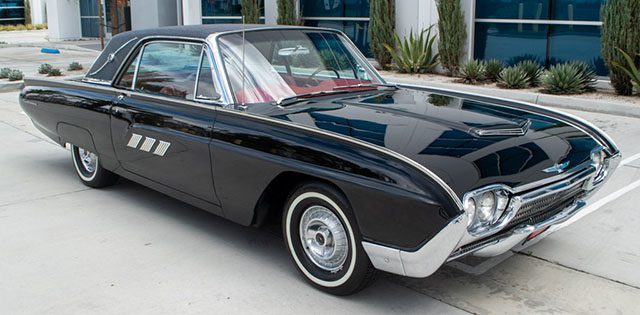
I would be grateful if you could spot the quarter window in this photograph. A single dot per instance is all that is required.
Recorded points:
(206, 87)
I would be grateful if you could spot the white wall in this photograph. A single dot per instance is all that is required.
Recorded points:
(38, 13)
(63, 17)
(153, 13)
(191, 12)
(415, 15)
(270, 12)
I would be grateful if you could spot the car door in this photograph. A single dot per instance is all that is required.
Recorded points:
(160, 131)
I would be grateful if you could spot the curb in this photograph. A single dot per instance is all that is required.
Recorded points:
(11, 86)
(564, 102)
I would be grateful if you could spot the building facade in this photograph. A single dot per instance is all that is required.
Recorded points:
(549, 31)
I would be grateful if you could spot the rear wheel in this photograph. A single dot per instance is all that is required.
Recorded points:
(89, 169)
(323, 240)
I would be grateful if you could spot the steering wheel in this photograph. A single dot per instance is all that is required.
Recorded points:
(313, 75)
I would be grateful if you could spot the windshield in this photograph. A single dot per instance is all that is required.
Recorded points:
(286, 63)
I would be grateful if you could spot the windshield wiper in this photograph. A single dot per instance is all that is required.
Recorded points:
(379, 86)
(301, 97)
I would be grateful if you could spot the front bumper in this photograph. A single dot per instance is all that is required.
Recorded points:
(454, 241)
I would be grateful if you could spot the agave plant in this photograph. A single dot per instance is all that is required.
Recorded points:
(493, 68)
(513, 78)
(630, 69)
(472, 71)
(563, 79)
(587, 75)
(533, 71)
(415, 53)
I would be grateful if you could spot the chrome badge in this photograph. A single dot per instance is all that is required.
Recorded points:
(558, 168)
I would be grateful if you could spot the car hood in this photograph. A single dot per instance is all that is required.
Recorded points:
(467, 143)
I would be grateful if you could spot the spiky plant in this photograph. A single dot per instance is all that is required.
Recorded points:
(588, 77)
(27, 12)
(473, 71)
(493, 68)
(533, 70)
(251, 11)
(513, 78)
(287, 12)
(451, 28)
(44, 68)
(4, 73)
(15, 75)
(563, 78)
(415, 53)
(630, 69)
(382, 30)
(620, 30)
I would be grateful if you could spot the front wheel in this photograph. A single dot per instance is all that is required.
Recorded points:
(89, 169)
(323, 240)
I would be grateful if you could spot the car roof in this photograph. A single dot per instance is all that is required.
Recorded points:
(107, 64)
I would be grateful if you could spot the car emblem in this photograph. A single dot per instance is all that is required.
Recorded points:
(558, 168)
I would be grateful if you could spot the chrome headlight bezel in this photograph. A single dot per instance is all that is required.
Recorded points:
(601, 162)
(488, 208)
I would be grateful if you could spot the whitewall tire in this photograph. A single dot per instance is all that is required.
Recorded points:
(89, 170)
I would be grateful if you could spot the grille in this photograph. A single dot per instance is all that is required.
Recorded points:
(543, 208)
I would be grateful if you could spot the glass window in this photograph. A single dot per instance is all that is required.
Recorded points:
(11, 12)
(169, 69)
(214, 11)
(284, 63)
(577, 10)
(576, 42)
(511, 42)
(513, 9)
(335, 8)
(358, 31)
(206, 87)
(126, 81)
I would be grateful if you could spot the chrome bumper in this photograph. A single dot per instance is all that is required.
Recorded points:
(452, 242)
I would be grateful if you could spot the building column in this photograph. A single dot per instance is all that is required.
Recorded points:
(63, 17)
(38, 15)
(469, 12)
(271, 12)
(192, 12)
(151, 14)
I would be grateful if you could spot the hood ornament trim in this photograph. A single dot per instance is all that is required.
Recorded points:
(503, 131)
(557, 168)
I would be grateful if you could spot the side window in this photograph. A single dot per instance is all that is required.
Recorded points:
(169, 69)
(126, 81)
(206, 87)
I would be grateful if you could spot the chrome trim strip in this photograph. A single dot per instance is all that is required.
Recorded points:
(110, 57)
(597, 130)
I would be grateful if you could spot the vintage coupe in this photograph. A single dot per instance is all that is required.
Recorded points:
(292, 125)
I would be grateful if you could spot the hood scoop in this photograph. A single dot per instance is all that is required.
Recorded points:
(502, 129)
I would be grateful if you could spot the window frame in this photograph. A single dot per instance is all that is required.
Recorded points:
(138, 51)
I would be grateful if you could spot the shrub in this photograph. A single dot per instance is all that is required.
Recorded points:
(45, 68)
(382, 30)
(74, 66)
(43, 26)
(472, 71)
(452, 32)
(15, 75)
(4, 73)
(587, 75)
(532, 69)
(415, 54)
(568, 78)
(513, 78)
(439, 100)
(630, 69)
(620, 29)
(54, 72)
(493, 68)
(287, 12)
(2, 42)
(251, 11)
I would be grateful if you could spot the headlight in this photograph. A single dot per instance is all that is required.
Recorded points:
(485, 207)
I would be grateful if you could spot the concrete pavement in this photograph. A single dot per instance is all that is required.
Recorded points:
(127, 249)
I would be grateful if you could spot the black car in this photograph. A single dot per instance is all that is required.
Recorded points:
(292, 125)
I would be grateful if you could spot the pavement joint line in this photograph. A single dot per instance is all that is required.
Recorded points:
(44, 197)
(433, 297)
(630, 159)
(576, 269)
(29, 133)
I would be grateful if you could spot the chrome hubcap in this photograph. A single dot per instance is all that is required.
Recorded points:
(88, 160)
(323, 238)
